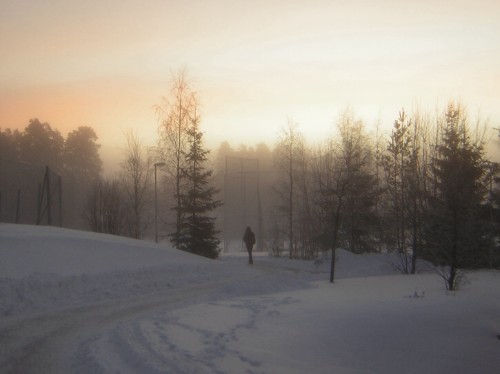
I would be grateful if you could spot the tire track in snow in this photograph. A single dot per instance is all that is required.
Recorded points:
(46, 343)
(51, 342)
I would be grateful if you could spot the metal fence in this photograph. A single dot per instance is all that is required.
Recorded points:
(30, 194)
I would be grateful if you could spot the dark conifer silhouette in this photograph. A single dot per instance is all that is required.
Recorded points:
(455, 232)
(197, 233)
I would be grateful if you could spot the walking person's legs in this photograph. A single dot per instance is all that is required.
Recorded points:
(249, 250)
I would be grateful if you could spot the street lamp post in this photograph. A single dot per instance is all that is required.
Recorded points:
(156, 202)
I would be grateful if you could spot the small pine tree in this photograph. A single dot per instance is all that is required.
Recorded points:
(401, 168)
(197, 233)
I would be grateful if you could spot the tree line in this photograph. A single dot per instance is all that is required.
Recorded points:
(424, 191)
(25, 154)
(40, 144)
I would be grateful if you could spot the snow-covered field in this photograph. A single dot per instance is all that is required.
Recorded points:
(78, 302)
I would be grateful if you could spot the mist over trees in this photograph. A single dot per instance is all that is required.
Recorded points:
(104, 210)
(81, 154)
(425, 191)
(40, 144)
(246, 177)
(181, 149)
(24, 156)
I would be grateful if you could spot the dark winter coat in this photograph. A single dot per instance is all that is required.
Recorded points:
(249, 238)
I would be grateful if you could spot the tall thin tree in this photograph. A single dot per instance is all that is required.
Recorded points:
(401, 164)
(135, 180)
(175, 115)
(289, 150)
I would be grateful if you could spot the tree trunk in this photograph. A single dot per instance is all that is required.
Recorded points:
(415, 238)
(454, 255)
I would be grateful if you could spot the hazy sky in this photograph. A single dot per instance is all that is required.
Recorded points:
(254, 63)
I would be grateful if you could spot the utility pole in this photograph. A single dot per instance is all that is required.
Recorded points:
(49, 199)
(59, 183)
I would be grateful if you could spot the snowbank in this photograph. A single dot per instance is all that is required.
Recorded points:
(46, 268)
(84, 302)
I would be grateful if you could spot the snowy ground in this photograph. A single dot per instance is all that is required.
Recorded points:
(76, 302)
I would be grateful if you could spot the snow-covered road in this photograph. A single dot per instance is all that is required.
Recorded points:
(73, 302)
(57, 341)
(61, 339)
(104, 336)
(62, 291)
(384, 324)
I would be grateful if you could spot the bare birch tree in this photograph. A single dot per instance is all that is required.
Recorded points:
(175, 114)
(289, 150)
(347, 188)
(135, 179)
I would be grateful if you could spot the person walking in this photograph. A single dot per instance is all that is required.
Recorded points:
(249, 239)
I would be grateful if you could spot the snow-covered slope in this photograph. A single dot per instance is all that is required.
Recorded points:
(48, 267)
(80, 302)
(27, 250)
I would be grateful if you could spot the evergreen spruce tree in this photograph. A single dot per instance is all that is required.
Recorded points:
(455, 232)
(197, 233)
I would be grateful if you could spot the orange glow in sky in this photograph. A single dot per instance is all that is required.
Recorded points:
(254, 63)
